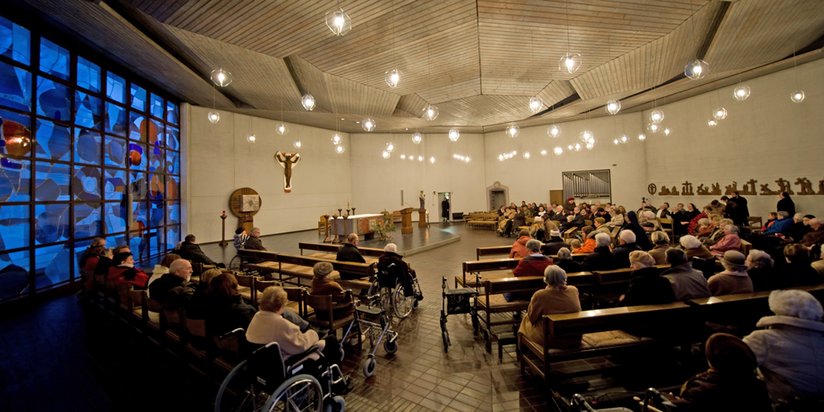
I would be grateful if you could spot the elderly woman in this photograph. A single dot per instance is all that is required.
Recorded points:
(647, 286)
(760, 269)
(661, 242)
(734, 278)
(566, 263)
(730, 241)
(694, 248)
(268, 325)
(226, 309)
(790, 348)
(557, 297)
(602, 257)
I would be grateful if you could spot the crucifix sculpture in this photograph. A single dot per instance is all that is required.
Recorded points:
(288, 161)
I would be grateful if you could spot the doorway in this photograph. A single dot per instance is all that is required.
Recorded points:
(444, 202)
(497, 195)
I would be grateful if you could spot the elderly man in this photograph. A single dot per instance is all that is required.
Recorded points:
(253, 242)
(349, 253)
(626, 244)
(192, 252)
(602, 258)
(687, 283)
(815, 235)
(174, 289)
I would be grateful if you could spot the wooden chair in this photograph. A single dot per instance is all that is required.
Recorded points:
(246, 284)
(327, 305)
(667, 226)
(755, 223)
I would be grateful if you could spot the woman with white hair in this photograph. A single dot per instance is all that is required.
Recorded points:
(734, 278)
(760, 269)
(790, 348)
(390, 262)
(694, 248)
(661, 242)
(647, 286)
(730, 241)
(557, 297)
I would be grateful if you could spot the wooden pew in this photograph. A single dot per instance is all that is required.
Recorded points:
(471, 276)
(297, 269)
(492, 301)
(492, 251)
(332, 249)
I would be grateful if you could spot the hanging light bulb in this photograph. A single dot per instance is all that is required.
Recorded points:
(613, 107)
(657, 116)
(420, 158)
(385, 154)
(417, 138)
(251, 138)
(587, 136)
(615, 141)
(526, 155)
(553, 131)
(221, 77)
(338, 21)
(430, 112)
(577, 147)
(281, 128)
(336, 139)
(454, 134)
(403, 157)
(558, 150)
(535, 105)
(570, 62)
(741, 93)
(339, 149)
(712, 123)
(390, 147)
(308, 102)
(667, 131)
(653, 127)
(392, 78)
(590, 145)
(297, 144)
(543, 152)
(797, 96)
(624, 138)
(512, 131)
(368, 124)
(642, 137)
(719, 113)
(213, 117)
(432, 159)
(696, 69)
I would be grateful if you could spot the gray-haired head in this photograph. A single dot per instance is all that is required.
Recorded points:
(533, 245)
(602, 239)
(564, 254)
(555, 276)
(660, 238)
(676, 256)
(627, 236)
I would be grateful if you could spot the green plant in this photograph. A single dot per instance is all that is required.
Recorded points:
(383, 228)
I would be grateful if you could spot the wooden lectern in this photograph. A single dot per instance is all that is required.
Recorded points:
(422, 223)
(406, 221)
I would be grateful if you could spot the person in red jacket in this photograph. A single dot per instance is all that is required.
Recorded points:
(124, 271)
(532, 265)
(519, 246)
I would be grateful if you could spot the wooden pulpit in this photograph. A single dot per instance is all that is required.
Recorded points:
(406, 220)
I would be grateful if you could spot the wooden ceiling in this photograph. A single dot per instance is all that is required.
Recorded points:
(479, 61)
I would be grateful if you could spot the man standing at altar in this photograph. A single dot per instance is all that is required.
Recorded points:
(445, 208)
(349, 253)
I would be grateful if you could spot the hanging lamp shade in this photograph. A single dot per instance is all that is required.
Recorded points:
(513, 131)
(797, 96)
(368, 124)
(251, 138)
(719, 113)
(281, 128)
(385, 154)
(656, 116)
(642, 137)
(339, 149)
(430, 112)
(454, 135)
(553, 131)
(214, 117)
(417, 138)
(712, 123)
(558, 150)
(336, 139)
(297, 144)
(392, 78)
(613, 107)
(308, 102)
(221, 77)
(338, 21)
(535, 105)
(696, 69)
(741, 93)
(570, 62)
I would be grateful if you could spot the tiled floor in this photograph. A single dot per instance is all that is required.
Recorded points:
(57, 355)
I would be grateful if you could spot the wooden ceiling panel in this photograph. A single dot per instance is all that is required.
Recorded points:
(411, 105)
(352, 97)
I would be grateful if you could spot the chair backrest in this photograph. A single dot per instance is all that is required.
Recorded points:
(327, 304)
(195, 327)
(706, 266)
(266, 365)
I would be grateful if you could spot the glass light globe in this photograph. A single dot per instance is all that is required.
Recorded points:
(281, 128)
(432, 159)
(712, 123)
(558, 150)
(642, 137)
(615, 141)
(553, 131)
(587, 136)
(570, 147)
(656, 116)
(251, 138)
(719, 113)
(213, 117)
(368, 124)
(797, 96)
(420, 158)
(624, 138)
(308, 102)
(390, 147)
(667, 131)
(696, 69)
(653, 127)
(336, 139)
(298, 144)
(221, 77)
(543, 152)
(403, 157)
(613, 107)
(338, 21)
(570, 62)
(535, 105)
(512, 131)
(392, 78)
(577, 147)
(412, 158)
(417, 138)
(741, 93)
(430, 112)
(590, 145)
(454, 135)
(339, 149)
(527, 155)
(500, 158)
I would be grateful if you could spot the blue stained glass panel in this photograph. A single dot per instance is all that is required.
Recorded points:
(137, 126)
(51, 182)
(138, 158)
(87, 146)
(115, 152)
(53, 141)
(115, 217)
(156, 242)
(156, 187)
(172, 113)
(14, 226)
(88, 111)
(14, 41)
(157, 157)
(173, 138)
(172, 236)
(173, 213)
(80, 246)
(140, 216)
(155, 133)
(156, 106)
(172, 187)
(114, 184)
(51, 265)
(115, 241)
(53, 99)
(115, 87)
(15, 87)
(172, 162)
(86, 183)
(88, 220)
(138, 185)
(14, 274)
(54, 59)
(157, 211)
(115, 119)
(88, 75)
(51, 223)
(15, 176)
(138, 98)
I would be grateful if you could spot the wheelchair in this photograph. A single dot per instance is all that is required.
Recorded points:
(235, 264)
(265, 382)
(374, 322)
(389, 289)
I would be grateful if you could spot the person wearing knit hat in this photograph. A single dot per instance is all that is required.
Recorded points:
(730, 383)
(322, 284)
(734, 278)
(694, 248)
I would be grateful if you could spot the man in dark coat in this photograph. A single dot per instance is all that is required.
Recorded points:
(174, 289)
(191, 251)
(349, 253)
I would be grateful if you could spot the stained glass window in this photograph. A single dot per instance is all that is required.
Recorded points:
(87, 146)
(15, 175)
(114, 184)
(115, 119)
(115, 152)
(14, 41)
(86, 183)
(88, 220)
(172, 115)
(88, 75)
(53, 99)
(14, 227)
(53, 141)
(14, 270)
(54, 59)
(115, 87)
(15, 87)
(138, 98)
(115, 218)
(88, 111)
(157, 106)
(51, 265)
(51, 182)
(51, 223)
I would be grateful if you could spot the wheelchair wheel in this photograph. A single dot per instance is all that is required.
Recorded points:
(390, 346)
(238, 392)
(298, 393)
(335, 404)
(369, 366)
(402, 305)
(234, 264)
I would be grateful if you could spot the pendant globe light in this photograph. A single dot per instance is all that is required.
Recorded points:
(570, 62)
(656, 116)
(719, 113)
(712, 123)
(392, 78)
(338, 21)
(368, 124)
(553, 131)
(535, 105)
(454, 134)
(696, 69)
(281, 127)
(558, 150)
(221, 77)
(430, 112)
(797, 96)
(417, 138)
(512, 131)
(308, 102)
(613, 107)
(214, 117)
(339, 149)
(741, 92)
